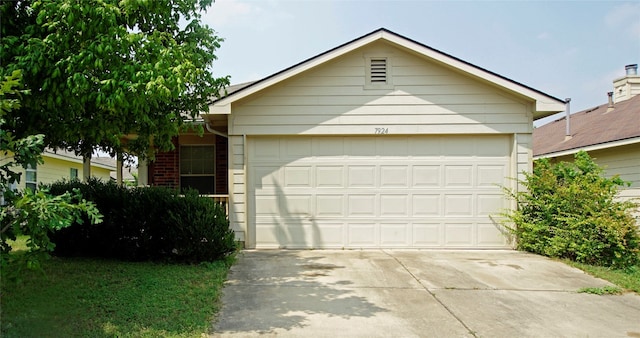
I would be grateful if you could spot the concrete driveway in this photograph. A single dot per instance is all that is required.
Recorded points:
(390, 293)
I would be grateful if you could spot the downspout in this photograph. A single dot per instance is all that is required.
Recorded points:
(567, 134)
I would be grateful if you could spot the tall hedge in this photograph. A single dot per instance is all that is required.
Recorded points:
(570, 210)
(146, 224)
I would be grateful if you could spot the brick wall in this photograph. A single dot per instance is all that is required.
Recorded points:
(164, 171)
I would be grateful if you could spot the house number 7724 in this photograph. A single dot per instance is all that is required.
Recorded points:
(382, 131)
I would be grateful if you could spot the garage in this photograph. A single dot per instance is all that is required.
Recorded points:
(384, 191)
(382, 142)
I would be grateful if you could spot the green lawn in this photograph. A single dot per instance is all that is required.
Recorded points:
(628, 279)
(99, 298)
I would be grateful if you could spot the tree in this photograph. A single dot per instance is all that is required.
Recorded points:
(31, 213)
(102, 70)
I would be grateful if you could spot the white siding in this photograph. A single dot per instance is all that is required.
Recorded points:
(426, 99)
(237, 189)
(423, 98)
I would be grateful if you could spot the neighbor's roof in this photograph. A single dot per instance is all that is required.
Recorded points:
(545, 104)
(590, 129)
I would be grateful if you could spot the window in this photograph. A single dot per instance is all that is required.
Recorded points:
(378, 72)
(197, 168)
(31, 178)
(73, 174)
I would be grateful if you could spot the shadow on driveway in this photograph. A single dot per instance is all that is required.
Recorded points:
(396, 293)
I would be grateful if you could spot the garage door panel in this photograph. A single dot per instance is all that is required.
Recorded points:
(426, 205)
(329, 147)
(267, 205)
(328, 235)
(295, 205)
(393, 147)
(426, 176)
(296, 147)
(489, 235)
(458, 205)
(266, 149)
(458, 176)
(386, 191)
(363, 235)
(491, 146)
(427, 234)
(263, 176)
(490, 175)
(362, 205)
(269, 235)
(361, 147)
(422, 147)
(488, 204)
(362, 176)
(458, 234)
(458, 147)
(329, 176)
(330, 205)
(395, 235)
(297, 177)
(394, 206)
(394, 176)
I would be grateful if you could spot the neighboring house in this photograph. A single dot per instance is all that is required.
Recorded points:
(610, 133)
(382, 142)
(60, 165)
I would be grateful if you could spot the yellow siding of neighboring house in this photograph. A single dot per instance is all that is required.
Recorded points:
(55, 169)
(623, 161)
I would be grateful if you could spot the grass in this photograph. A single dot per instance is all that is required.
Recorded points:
(605, 290)
(99, 298)
(627, 279)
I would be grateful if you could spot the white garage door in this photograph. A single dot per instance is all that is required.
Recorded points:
(376, 192)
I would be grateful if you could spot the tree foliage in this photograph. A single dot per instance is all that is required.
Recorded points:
(99, 70)
(30, 213)
(570, 210)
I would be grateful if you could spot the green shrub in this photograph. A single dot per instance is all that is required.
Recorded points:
(569, 210)
(146, 224)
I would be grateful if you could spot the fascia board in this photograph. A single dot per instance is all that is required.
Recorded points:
(593, 147)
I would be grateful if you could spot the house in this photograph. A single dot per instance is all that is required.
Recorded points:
(61, 164)
(610, 133)
(382, 142)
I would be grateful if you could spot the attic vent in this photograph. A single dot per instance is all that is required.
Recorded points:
(378, 71)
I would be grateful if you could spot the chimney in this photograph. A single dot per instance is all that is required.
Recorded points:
(628, 86)
(610, 106)
(567, 134)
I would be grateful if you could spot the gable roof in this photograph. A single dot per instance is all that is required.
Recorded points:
(590, 129)
(545, 104)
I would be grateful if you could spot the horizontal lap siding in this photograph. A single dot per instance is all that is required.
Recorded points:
(426, 98)
(625, 162)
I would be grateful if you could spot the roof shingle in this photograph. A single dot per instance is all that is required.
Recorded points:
(590, 127)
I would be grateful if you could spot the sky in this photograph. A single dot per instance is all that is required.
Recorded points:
(567, 49)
